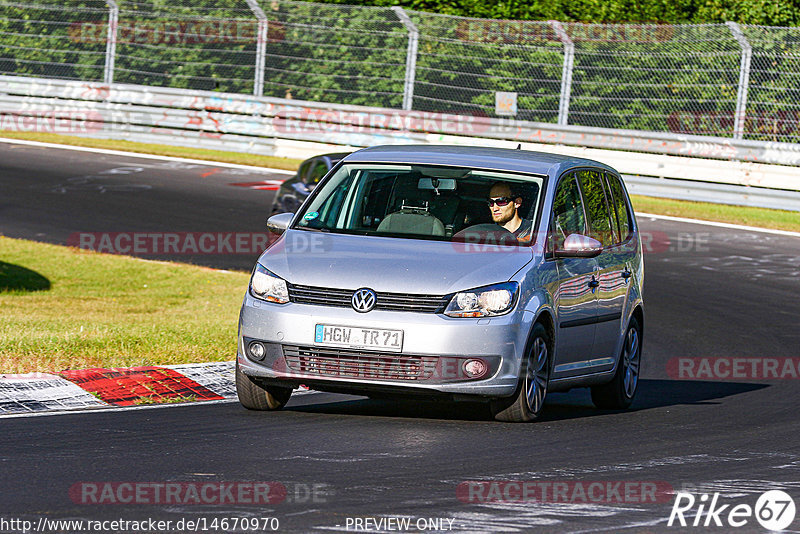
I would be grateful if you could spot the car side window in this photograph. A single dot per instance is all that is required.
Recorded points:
(620, 207)
(567, 213)
(611, 210)
(597, 211)
(318, 171)
(331, 211)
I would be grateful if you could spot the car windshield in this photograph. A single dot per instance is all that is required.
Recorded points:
(425, 202)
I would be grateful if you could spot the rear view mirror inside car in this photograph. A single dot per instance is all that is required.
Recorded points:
(437, 184)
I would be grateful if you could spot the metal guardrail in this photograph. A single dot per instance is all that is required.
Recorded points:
(293, 128)
(214, 112)
(735, 195)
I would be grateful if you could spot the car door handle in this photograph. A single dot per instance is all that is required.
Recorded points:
(593, 283)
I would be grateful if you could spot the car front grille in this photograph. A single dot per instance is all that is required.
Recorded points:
(341, 298)
(345, 363)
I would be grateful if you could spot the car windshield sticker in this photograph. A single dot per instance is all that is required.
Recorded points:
(311, 215)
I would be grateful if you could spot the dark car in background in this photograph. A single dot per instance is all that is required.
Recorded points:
(296, 189)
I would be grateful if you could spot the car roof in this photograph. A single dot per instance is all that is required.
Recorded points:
(506, 159)
(333, 156)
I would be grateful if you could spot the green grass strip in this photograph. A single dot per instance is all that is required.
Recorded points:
(760, 217)
(64, 308)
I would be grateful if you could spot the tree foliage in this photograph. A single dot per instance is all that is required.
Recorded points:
(763, 12)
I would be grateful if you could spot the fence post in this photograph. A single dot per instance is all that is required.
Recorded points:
(411, 57)
(261, 47)
(744, 79)
(111, 41)
(566, 72)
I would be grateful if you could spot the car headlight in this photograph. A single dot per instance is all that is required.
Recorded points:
(266, 286)
(488, 301)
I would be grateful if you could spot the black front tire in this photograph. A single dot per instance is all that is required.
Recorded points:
(618, 394)
(254, 397)
(526, 405)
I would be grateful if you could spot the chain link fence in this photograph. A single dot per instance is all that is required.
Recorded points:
(335, 53)
(660, 78)
(773, 106)
(462, 63)
(715, 79)
(38, 40)
(208, 46)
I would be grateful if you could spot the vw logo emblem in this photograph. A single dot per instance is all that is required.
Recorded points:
(363, 300)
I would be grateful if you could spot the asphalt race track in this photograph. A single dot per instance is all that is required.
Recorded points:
(710, 293)
(55, 195)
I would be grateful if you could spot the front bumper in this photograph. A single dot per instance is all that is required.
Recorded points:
(434, 348)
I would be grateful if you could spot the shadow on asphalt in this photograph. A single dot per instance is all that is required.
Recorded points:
(18, 278)
(415, 409)
(651, 394)
(559, 406)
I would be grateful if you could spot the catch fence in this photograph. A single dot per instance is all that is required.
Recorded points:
(722, 80)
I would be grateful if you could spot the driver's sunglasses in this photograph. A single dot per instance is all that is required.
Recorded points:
(502, 201)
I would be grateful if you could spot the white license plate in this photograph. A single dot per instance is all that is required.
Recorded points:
(358, 338)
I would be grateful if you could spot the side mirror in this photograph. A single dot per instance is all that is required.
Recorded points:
(277, 224)
(579, 246)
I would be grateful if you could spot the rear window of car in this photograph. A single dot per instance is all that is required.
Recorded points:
(620, 204)
(568, 215)
(597, 207)
(319, 170)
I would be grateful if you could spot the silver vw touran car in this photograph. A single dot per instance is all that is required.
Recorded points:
(460, 273)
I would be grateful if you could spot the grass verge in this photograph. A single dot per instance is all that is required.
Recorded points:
(144, 401)
(63, 308)
(761, 217)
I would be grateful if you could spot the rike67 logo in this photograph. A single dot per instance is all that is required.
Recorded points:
(774, 510)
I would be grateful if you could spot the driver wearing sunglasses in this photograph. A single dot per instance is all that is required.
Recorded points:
(504, 205)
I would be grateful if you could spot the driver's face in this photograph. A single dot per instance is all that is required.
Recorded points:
(502, 214)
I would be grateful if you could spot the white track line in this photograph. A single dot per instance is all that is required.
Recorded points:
(105, 409)
(144, 156)
(720, 224)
